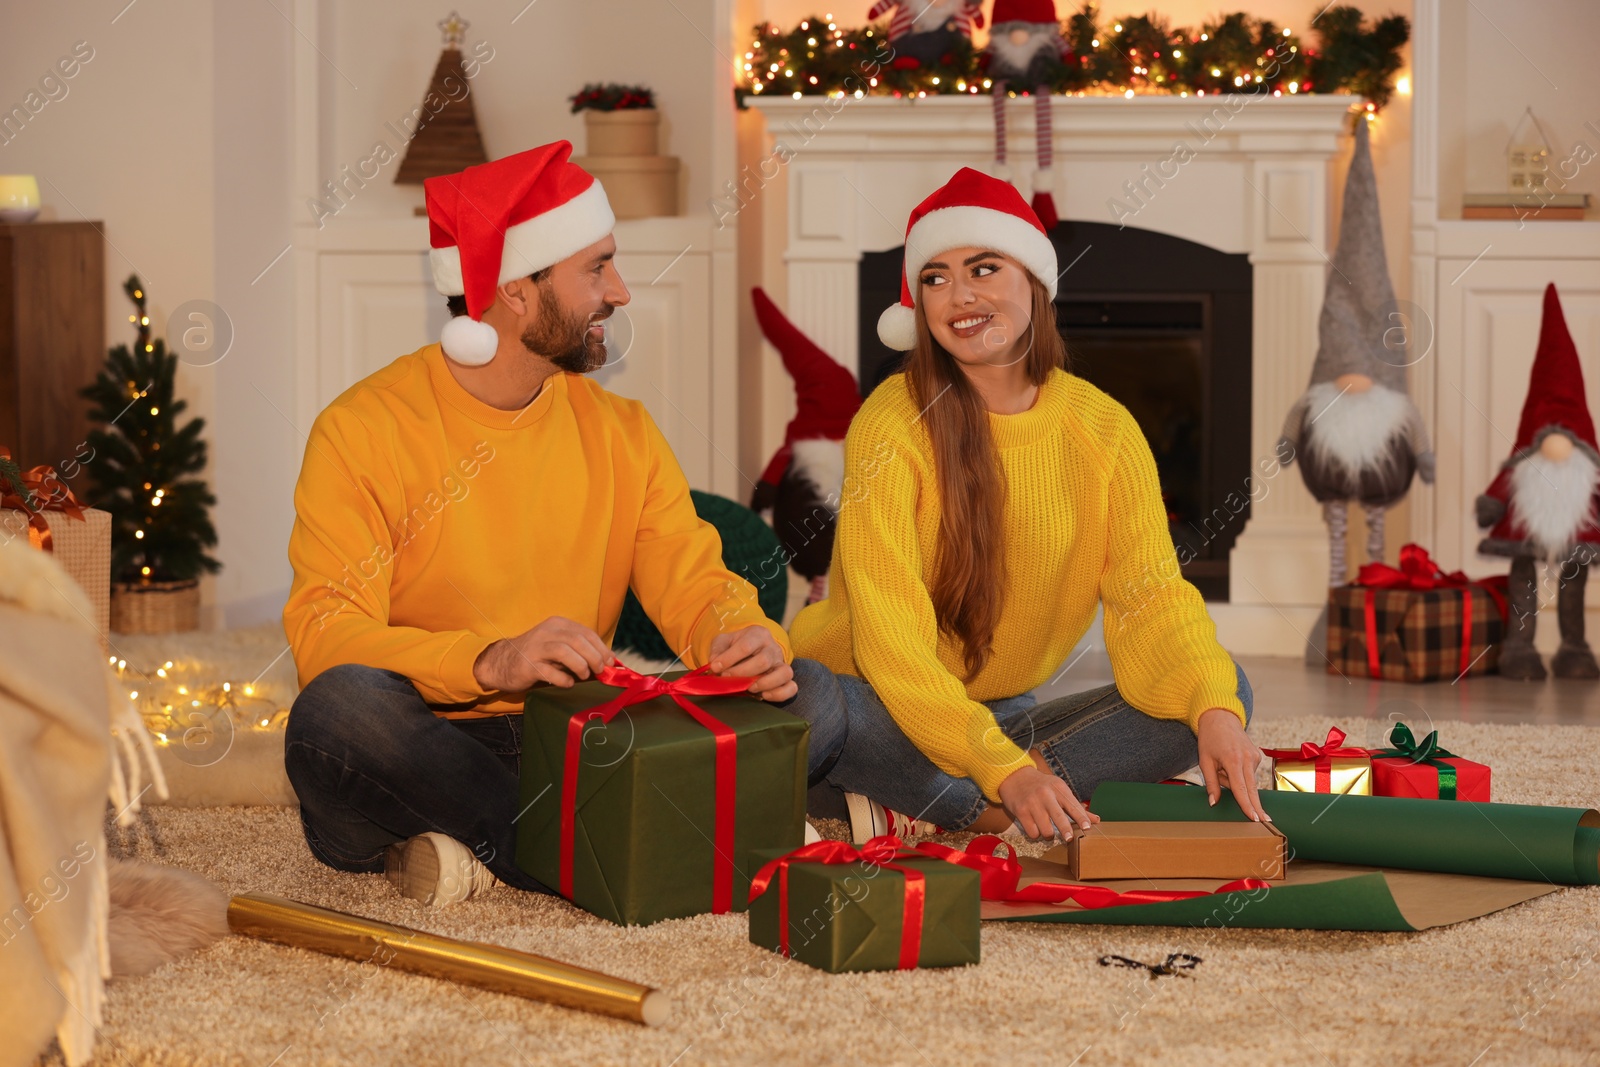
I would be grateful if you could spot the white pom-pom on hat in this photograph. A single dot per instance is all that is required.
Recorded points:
(897, 327)
(468, 341)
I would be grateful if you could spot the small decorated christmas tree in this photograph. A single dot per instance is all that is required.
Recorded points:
(144, 462)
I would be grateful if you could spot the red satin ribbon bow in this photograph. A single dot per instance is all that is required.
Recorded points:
(879, 852)
(1419, 572)
(998, 880)
(1323, 755)
(48, 493)
(638, 688)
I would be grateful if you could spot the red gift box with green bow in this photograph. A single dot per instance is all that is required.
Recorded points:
(1422, 769)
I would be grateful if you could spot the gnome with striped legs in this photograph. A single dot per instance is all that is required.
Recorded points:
(805, 477)
(1543, 505)
(1025, 47)
(924, 32)
(1355, 431)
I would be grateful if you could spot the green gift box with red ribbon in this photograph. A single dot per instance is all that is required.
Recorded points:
(643, 797)
(881, 907)
(1422, 769)
(1415, 623)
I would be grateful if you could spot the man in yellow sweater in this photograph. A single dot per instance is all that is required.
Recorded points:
(468, 521)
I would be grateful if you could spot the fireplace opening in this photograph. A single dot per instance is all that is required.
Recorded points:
(1163, 325)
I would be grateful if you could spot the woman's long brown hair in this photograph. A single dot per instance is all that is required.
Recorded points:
(969, 566)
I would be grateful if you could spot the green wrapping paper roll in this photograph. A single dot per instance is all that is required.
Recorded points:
(1525, 841)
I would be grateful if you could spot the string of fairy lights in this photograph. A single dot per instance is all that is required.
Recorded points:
(180, 710)
(1133, 56)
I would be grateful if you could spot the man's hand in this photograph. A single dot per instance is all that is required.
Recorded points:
(558, 651)
(754, 653)
(1042, 803)
(1229, 758)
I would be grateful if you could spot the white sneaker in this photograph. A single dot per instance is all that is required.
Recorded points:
(869, 819)
(436, 869)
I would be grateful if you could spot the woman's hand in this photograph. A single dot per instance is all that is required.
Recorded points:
(1042, 803)
(1229, 758)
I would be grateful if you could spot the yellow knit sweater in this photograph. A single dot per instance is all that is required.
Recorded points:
(428, 525)
(1084, 523)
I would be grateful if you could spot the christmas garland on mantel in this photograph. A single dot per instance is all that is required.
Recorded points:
(1132, 56)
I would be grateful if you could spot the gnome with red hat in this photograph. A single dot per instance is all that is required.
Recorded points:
(1543, 506)
(1025, 48)
(468, 523)
(925, 32)
(803, 480)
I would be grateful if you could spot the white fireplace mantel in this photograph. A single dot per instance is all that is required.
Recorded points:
(1245, 174)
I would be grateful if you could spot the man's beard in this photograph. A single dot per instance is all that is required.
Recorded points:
(1553, 500)
(562, 337)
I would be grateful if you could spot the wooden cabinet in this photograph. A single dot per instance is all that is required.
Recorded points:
(52, 336)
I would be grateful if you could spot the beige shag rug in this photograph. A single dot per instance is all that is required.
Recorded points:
(1518, 987)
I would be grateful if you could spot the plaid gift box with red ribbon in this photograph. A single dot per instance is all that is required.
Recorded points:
(1415, 623)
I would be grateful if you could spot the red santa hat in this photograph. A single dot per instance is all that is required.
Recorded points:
(1555, 388)
(826, 393)
(1023, 11)
(502, 220)
(975, 210)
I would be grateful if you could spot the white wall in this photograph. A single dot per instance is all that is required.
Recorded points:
(1509, 55)
(178, 134)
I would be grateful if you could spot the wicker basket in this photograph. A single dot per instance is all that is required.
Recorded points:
(155, 607)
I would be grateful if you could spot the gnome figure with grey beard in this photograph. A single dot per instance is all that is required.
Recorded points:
(1355, 431)
(1543, 504)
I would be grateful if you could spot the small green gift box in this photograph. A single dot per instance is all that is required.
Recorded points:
(639, 794)
(877, 909)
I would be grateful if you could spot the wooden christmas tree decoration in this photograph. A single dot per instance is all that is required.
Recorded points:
(447, 137)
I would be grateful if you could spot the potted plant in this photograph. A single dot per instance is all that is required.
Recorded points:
(619, 120)
(143, 474)
(622, 130)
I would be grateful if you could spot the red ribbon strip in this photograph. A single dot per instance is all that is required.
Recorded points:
(48, 493)
(638, 688)
(880, 852)
(998, 881)
(1323, 755)
(1418, 571)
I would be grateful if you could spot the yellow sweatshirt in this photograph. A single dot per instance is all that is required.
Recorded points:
(1084, 523)
(429, 525)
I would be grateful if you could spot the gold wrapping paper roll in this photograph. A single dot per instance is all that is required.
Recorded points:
(1347, 774)
(502, 970)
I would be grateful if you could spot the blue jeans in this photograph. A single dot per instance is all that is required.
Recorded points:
(1086, 738)
(373, 765)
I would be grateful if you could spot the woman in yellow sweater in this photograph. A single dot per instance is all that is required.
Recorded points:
(991, 501)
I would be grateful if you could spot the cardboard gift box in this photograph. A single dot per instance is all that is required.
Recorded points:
(1421, 769)
(1110, 850)
(1330, 767)
(78, 537)
(1415, 623)
(643, 796)
(877, 909)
